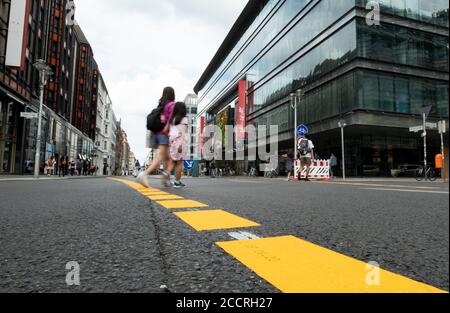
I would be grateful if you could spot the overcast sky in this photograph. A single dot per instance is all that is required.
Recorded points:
(142, 46)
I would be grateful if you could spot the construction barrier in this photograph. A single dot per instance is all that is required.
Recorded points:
(320, 169)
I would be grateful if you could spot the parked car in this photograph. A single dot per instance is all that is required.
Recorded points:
(406, 170)
(371, 170)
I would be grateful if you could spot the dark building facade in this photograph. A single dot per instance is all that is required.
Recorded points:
(86, 87)
(375, 78)
(48, 37)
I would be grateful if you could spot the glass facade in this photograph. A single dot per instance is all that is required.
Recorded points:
(305, 21)
(343, 65)
(427, 11)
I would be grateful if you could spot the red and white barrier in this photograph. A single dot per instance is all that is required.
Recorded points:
(320, 169)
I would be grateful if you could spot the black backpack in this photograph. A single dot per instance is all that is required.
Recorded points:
(303, 147)
(154, 123)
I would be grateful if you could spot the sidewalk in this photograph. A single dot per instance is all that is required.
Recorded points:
(43, 178)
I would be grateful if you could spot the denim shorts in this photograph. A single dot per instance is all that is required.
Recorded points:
(160, 139)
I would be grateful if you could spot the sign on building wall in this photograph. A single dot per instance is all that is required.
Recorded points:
(241, 110)
(17, 34)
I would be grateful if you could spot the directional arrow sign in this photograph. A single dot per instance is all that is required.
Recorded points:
(188, 164)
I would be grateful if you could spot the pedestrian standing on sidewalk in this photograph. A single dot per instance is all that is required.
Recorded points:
(159, 139)
(333, 164)
(177, 142)
(305, 149)
(79, 167)
(289, 165)
(66, 166)
(85, 167)
(72, 168)
(50, 166)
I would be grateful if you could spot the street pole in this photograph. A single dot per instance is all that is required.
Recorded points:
(294, 107)
(44, 72)
(39, 131)
(425, 142)
(342, 125)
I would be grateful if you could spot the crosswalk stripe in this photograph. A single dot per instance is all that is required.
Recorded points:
(181, 204)
(164, 197)
(214, 220)
(155, 193)
(295, 266)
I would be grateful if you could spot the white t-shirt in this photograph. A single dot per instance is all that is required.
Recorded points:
(310, 146)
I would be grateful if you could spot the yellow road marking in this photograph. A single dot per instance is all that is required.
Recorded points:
(155, 193)
(295, 266)
(214, 220)
(181, 204)
(164, 197)
(376, 185)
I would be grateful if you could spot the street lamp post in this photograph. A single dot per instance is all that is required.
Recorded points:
(295, 100)
(342, 124)
(294, 107)
(44, 74)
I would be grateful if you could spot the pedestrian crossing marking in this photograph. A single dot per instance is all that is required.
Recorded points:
(181, 204)
(164, 197)
(214, 220)
(155, 193)
(296, 266)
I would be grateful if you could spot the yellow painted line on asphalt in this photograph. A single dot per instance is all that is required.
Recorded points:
(181, 204)
(375, 185)
(295, 266)
(154, 193)
(165, 197)
(214, 220)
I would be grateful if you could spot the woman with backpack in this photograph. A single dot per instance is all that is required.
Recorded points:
(158, 124)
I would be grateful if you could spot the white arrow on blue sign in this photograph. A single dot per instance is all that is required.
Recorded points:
(302, 130)
(188, 164)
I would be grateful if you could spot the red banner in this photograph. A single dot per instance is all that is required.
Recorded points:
(241, 110)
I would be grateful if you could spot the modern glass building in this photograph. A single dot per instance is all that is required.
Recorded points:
(376, 78)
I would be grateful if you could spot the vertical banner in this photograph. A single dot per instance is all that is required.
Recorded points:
(17, 34)
(241, 110)
(251, 99)
(201, 131)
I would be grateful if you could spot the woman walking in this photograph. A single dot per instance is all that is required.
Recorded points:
(160, 140)
(177, 142)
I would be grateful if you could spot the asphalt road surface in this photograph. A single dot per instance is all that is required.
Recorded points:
(124, 242)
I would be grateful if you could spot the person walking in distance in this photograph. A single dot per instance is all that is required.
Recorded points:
(305, 149)
(158, 122)
(177, 142)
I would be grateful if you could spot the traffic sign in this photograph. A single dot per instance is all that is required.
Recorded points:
(28, 115)
(426, 110)
(417, 129)
(189, 164)
(442, 126)
(302, 130)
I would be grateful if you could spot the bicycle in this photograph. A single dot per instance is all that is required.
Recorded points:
(252, 172)
(271, 174)
(429, 174)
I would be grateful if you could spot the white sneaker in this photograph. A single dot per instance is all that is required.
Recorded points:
(166, 179)
(142, 179)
